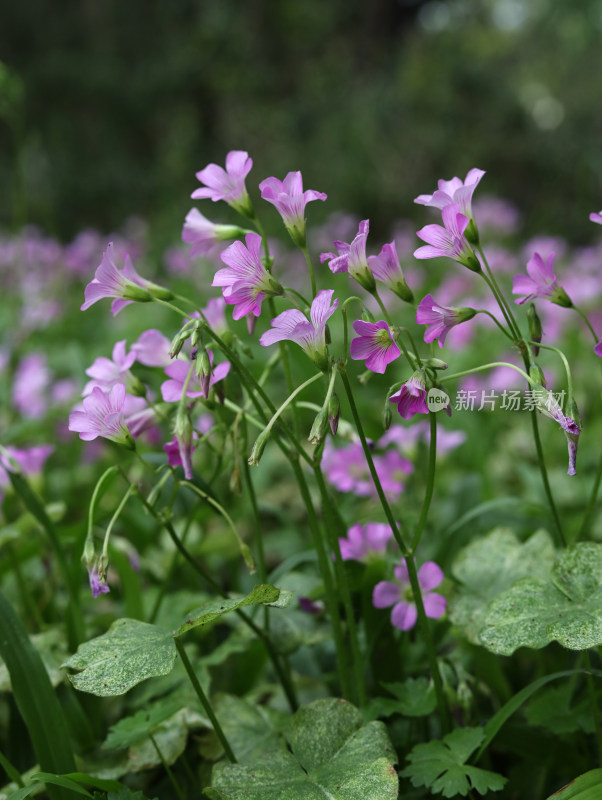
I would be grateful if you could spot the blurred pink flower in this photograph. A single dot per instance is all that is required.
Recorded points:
(399, 595)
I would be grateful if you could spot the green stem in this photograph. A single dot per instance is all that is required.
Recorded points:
(310, 266)
(289, 400)
(306, 304)
(345, 331)
(430, 482)
(204, 701)
(105, 546)
(12, 772)
(172, 307)
(253, 420)
(378, 299)
(497, 293)
(170, 774)
(593, 698)
(455, 375)
(563, 358)
(592, 502)
(497, 322)
(587, 322)
(544, 478)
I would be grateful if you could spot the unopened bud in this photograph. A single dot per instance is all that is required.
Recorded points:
(177, 343)
(89, 556)
(334, 413)
(258, 448)
(435, 363)
(367, 315)
(387, 417)
(536, 374)
(202, 368)
(320, 426)
(535, 331)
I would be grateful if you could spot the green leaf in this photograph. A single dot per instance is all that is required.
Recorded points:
(171, 737)
(60, 780)
(35, 698)
(333, 755)
(50, 645)
(136, 728)
(125, 793)
(127, 654)
(251, 730)
(567, 607)
(264, 594)
(416, 696)
(585, 787)
(488, 567)
(441, 765)
(25, 791)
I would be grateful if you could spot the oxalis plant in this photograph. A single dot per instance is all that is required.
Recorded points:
(361, 671)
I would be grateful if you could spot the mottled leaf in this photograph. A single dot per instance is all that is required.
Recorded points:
(416, 696)
(488, 567)
(127, 654)
(264, 594)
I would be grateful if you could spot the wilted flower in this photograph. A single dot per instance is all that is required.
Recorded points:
(365, 541)
(411, 398)
(245, 281)
(375, 344)
(103, 415)
(290, 200)
(97, 585)
(352, 258)
(292, 325)
(449, 240)
(227, 184)
(400, 596)
(540, 282)
(440, 319)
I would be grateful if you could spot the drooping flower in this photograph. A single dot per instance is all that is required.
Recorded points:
(245, 282)
(352, 258)
(449, 240)
(386, 268)
(126, 286)
(205, 235)
(411, 398)
(179, 454)
(440, 319)
(540, 283)
(365, 541)
(290, 200)
(103, 415)
(97, 585)
(177, 371)
(399, 595)
(596, 217)
(152, 349)
(598, 349)
(106, 372)
(375, 344)
(292, 325)
(227, 184)
(454, 191)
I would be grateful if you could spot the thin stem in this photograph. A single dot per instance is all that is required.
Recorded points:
(305, 302)
(253, 420)
(167, 769)
(455, 375)
(204, 701)
(310, 266)
(12, 772)
(497, 292)
(289, 399)
(172, 307)
(345, 331)
(592, 502)
(594, 704)
(497, 322)
(105, 546)
(587, 322)
(563, 358)
(430, 482)
(378, 299)
(544, 478)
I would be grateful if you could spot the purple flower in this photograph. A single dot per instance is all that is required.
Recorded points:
(30, 383)
(245, 282)
(448, 240)
(292, 325)
(440, 319)
(152, 349)
(310, 606)
(214, 313)
(375, 344)
(177, 371)
(204, 235)
(386, 268)
(365, 541)
(29, 461)
(290, 200)
(454, 192)
(105, 373)
(598, 349)
(411, 398)
(179, 454)
(596, 217)
(127, 286)
(540, 282)
(347, 470)
(103, 415)
(399, 595)
(352, 258)
(227, 184)
(97, 585)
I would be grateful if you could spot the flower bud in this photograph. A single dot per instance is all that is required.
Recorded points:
(535, 332)
(334, 413)
(258, 448)
(387, 416)
(536, 374)
(472, 233)
(89, 555)
(367, 315)
(136, 293)
(435, 363)
(202, 369)
(183, 433)
(320, 426)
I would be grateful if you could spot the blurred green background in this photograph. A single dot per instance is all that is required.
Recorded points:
(109, 108)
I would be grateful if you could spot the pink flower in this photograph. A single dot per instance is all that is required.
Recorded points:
(448, 240)
(352, 258)
(347, 470)
(179, 454)
(411, 398)
(103, 415)
(290, 200)
(596, 217)
(245, 282)
(540, 282)
(454, 192)
(399, 595)
(598, 349)
(30, 384)
(29, 461)
(177, 371)
(292, 325)
(204, 235)
(127, 286)
(214, 313)
(152, 349)
(105, 373)
(386, 268)
(365, 541)
(440, 319)
(227, 184)
(375, 344)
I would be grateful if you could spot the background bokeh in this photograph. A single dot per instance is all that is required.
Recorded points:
(108, 109)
